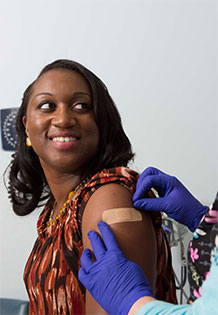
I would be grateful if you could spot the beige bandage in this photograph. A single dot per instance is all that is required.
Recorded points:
(119, 215)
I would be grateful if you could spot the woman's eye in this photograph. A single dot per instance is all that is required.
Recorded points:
(46, 105)
(81, 106)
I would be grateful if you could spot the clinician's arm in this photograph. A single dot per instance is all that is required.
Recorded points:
(175, 200)
(116, 282)
(206, 304)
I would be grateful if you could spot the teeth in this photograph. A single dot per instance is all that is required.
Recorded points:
(63, 139)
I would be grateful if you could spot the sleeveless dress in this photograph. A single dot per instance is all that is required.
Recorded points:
(51, 272)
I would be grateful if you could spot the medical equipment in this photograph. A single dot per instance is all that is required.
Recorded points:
(8, 129)
(175, 233)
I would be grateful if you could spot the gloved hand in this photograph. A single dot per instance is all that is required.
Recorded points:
(175, 200)
(115, 282)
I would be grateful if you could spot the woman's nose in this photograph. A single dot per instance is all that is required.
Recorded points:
(64, 117)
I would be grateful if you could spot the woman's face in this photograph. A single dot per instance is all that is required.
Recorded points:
(60, 121)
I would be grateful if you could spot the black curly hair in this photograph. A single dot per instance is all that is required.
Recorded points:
(27, 184)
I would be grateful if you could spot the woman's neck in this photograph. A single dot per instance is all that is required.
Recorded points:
(61, 184)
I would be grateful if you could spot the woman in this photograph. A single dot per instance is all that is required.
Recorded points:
(73, 153)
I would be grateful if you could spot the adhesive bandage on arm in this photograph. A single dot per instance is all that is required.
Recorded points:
(118, 215)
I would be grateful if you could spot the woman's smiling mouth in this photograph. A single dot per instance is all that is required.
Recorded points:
(64, 139)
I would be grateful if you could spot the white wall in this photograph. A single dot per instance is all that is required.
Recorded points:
(159, 61)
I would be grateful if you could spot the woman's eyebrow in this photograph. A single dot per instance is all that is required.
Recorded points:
(83, 93)
(43, 93)
(74, 94)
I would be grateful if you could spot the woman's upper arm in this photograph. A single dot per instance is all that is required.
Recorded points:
(136, 239)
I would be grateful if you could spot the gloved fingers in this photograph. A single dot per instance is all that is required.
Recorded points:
(152, 204)
(108, 237)
(82, 275)
(97, 244)
(86, 259)
(151, 171)
(144, 184)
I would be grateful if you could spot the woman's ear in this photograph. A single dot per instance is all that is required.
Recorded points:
(24, 120)
(28, 142)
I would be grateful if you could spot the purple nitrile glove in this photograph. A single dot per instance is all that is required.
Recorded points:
(115, 282)
(175, 200)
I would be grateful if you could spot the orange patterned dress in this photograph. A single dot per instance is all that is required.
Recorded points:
(51, 272)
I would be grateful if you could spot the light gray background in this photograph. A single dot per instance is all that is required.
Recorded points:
(159, 62)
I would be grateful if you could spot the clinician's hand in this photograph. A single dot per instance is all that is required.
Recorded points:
(115, 282)
(175, 200)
